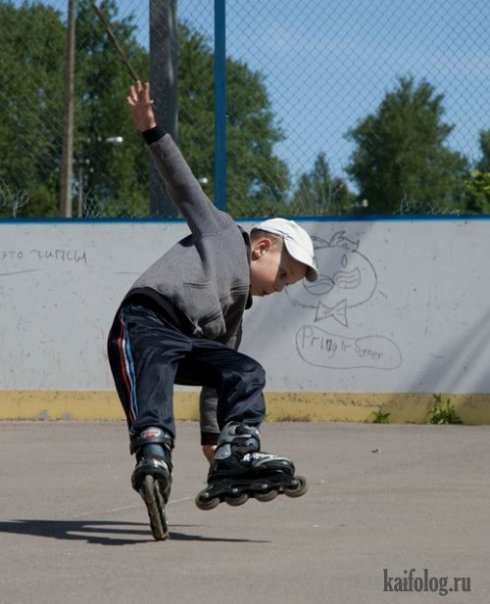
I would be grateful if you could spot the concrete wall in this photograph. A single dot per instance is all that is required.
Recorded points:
(402, 307)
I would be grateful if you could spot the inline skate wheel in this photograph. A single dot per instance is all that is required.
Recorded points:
(236, 500)
(155, 504)
(267, 496)
(297, 488)
(206, 503)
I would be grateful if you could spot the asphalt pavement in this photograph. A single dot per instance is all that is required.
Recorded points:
(393, 514)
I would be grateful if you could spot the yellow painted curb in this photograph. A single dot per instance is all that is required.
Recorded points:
(281, 406)
(79, 405)
(473, 409)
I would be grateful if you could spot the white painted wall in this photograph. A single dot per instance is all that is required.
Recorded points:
(402, 306)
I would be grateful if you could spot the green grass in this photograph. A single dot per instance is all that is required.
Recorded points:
(381, 416)
(443, 411)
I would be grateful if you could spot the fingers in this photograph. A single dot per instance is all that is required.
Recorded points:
(146, 92)
(133, 95)
(139, 94)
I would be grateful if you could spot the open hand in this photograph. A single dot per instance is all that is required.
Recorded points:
(141, 106)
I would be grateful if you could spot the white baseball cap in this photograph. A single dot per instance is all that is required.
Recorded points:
(297, 241)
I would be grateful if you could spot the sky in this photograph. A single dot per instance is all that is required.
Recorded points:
(328, 64)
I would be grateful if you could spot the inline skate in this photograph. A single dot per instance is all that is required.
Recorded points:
(152, 476)
(240, 471)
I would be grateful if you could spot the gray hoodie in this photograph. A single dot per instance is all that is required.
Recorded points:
(202, 284)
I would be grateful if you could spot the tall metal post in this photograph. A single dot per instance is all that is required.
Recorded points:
(163, 80)
(66, 172)
(220, 103)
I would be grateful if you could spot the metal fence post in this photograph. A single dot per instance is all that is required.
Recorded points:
(220, 103)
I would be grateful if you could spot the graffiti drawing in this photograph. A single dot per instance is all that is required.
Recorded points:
(347, 280)
(324, 349)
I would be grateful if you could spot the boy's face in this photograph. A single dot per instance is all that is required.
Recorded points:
(272, 268)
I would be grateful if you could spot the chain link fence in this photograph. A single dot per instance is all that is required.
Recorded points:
(333, 108)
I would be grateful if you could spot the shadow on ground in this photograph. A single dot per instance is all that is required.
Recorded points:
(102, 532)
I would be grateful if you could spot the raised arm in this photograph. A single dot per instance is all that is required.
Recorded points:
(182, 186)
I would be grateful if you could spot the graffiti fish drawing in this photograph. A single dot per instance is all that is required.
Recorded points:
(347, 279)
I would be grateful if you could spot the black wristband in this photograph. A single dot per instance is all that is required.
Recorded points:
(153, 135)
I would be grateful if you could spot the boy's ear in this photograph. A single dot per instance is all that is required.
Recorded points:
(256, 252)
(261, 246)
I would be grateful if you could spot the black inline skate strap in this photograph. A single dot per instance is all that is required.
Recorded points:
(151, 436)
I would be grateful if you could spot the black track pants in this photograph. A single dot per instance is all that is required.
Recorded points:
(149, 356)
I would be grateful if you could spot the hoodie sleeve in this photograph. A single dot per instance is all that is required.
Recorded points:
(202, 216)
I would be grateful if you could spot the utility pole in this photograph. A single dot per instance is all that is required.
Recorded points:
(66, 173)
(163, 79)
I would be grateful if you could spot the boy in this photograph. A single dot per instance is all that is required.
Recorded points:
(181, 323)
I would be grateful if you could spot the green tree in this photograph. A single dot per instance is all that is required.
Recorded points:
(114, 179)
(483, 164)
(258, 181)
(116, 176)
(318, 193)
(31, 77)
(401, 162)
(32, 42)
(477, 185)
